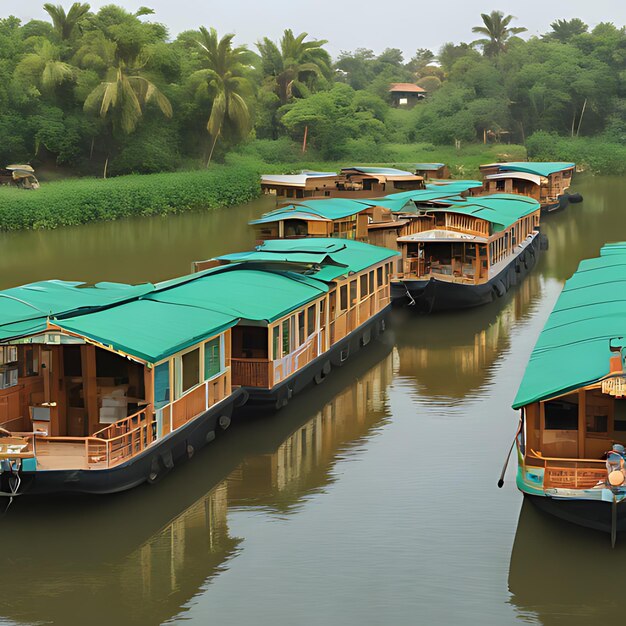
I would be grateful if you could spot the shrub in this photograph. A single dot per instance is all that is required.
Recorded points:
(77, 201)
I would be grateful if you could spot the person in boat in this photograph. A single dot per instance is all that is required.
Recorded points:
(615, 463)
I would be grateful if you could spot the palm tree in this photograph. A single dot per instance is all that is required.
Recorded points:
(291, 64)
(45, 66)
(496, 28)
(124, 93)
(224, 75)
(564, 30)
(65, 23)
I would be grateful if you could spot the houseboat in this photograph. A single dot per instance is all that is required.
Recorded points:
(545, 182)
(106, 387)
(351, 182)
(329, 299)
(466, 254)
(349, 218)
(572, 399)
(432, 170)
(111, 392)
(333, 217)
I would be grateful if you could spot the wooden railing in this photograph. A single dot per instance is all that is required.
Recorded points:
(569, 473)
(251, 372)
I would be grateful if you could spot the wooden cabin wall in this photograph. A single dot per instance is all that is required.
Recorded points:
(319, 229)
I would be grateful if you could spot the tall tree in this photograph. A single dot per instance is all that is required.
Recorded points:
(564, 30)
(224, 75)
(497, 31)
(292, 62)
(44, 67)
(66, 23)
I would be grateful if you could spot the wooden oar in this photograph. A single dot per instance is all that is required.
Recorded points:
(613, 522)
(506, 462)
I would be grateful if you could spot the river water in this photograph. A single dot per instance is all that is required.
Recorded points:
(369, 500)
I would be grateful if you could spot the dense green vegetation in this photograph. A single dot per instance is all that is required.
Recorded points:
(81, 200)
(111, 91)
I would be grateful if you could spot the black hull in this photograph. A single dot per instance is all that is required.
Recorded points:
(594, 514)
(559, 205)
(149, 466)
(318, 369)
(431, 296)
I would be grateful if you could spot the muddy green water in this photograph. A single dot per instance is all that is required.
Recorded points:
(369, 500)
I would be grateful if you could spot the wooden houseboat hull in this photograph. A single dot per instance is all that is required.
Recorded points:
(150, 466)
(594, 514)
(433, 295)
(318, 369)
(551, 207)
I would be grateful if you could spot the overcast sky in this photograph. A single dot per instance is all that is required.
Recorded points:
(375, 24)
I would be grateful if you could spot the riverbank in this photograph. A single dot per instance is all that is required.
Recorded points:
(77, 201)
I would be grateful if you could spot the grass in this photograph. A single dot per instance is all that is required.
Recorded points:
(80, 200)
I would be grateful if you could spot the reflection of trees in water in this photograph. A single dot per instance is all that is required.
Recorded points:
(136, 558)
(562, 574)
(580, 230)
(451, 356)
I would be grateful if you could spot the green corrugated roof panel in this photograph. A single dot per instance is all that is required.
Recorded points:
(254, 294)
(501, 210)
(573, 349)
(54, 298)
(148, 329)
(347, 256)
(422, 195)
(457, 186)
(327, 208)
(539, 168)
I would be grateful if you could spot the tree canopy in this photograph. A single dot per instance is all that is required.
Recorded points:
(91, 86)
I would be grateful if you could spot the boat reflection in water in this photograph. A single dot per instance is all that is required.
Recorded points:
(564, 574)
(451, 356)
(139, 557)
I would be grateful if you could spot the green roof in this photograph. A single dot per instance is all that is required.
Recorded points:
(457, 186)
(539, 168)
(25, 309)
(573, 349)
(328, 209)
(338, 256)
(148, 329)
(421, 195)
(502, 210)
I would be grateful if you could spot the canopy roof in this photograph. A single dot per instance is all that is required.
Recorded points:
(502, 210)
(459, 186)
(25, 309)
(406, 87)
(439, 235)
(294, 180)
(378, 171)
(533, 178)
(573, 349)
(539, 168)
(335, 257)
(429, 167)
(324, 208)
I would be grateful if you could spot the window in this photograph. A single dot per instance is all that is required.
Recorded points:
(29, 361)
(363, 286)
(597, 423)
(276, 343)
(561, 415)
(212, 358)
(191, 369)
(379, 276)
(352, 292)
(286, 327)
(162, 385)
(372, 282)
(343, 297)
(300, 328)
(310, 327)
